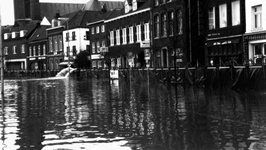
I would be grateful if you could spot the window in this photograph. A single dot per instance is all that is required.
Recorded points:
(138, 33)
(100, 64)
(93, 47)
(92, 30)
(156, 2)
(171, 23)
(211, 14)
(44, 49)
(257, 49)
(73, 35)
(235, 13)
(156, 26)
(55, 44)
(74, 50)
(179, 22)
(124, 35)
(22, 48)
(14, 49)
(60, 44)
(103, 43)
(50, 44)
(39, 50)
(97, 29)
(257, 16)
(112, 38)
(34, 51)
(131, 35)
(146, 31)
(223, 16)
(93, 64)
(67, 36)
(30, 51)
(98, 47)
(6, 50)
(87, 36)
(103, 29)
(163, 25)
(117, 37)
(68, 51)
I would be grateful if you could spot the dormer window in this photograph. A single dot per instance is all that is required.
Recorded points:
(128, 7)
(14, 34)
(135, 5)
(22, 33)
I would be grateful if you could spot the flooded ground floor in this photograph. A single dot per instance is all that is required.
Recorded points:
(66, 113)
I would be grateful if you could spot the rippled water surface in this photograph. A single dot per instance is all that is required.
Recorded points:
(67, 114)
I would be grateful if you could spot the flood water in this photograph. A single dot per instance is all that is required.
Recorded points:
(67, 114)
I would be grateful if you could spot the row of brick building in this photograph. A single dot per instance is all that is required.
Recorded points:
(142, 33)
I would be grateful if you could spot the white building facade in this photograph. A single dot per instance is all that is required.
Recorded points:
(255, 37)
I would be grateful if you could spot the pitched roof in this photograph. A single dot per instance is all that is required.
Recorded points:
(95, 5)
(39, 34)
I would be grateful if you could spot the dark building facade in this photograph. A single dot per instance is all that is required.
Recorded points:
(129, 29)
(177, 33)
(37, 49)
(27, 9)
(226, 26)
(15, 44)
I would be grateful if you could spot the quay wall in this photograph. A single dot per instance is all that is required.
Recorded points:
(236, 77)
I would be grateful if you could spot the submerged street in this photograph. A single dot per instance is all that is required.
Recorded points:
(64, 113)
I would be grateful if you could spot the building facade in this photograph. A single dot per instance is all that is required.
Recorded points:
(255, 36)
(15, 44)
(226, 26)
(128, 29)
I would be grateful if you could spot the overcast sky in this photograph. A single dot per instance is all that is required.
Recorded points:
(7, 9)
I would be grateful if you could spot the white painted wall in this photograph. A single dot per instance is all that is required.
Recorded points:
(249, 21)
(80, 43)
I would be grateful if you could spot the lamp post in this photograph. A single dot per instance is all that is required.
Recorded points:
(67, 38)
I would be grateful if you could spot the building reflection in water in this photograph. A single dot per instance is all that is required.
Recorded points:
(66, 113)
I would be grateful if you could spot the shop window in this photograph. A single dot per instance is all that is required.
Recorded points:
(257, 49)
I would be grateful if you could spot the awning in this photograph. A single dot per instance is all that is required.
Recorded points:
(65, 63)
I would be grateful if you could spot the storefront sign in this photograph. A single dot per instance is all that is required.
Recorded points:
(97, 56)
(145, 44)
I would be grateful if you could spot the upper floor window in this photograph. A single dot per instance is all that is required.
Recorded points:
(6, 50)
(97, 29)
(138, 33)
(235, 13)
(257, 16)
(93, 47)
(103, 43)
(98, 47)
(50, 44)
(73, 35)
(22, 48)
(34, 51)
(131, 35)
(92, 30)
(156, 2)
(30, 51)
(179, 22)
(60, 44)
(171, 23)
(67, 36)
(223, 15)
(117, 37)
(124, 35)
(163, 25)
(39, 50)
(103, 28)
(55, 44)
(14, 49)
(211, 16)
(156, 26)
(44, 49)
(146, 31)
(112, 40)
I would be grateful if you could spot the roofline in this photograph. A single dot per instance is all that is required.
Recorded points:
(127, 15)
(94, 22)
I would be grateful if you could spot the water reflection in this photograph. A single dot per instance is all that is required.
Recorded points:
(99, 114)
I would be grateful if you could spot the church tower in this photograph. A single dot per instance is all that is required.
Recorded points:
(27, 9)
